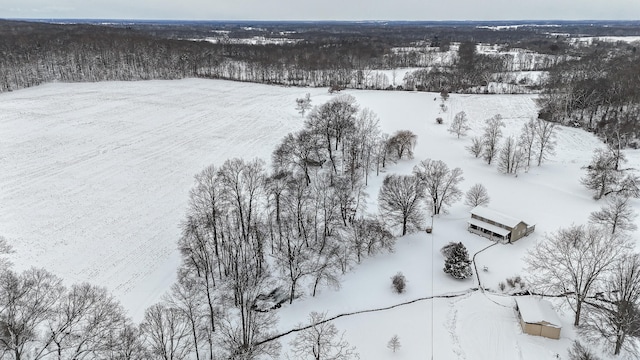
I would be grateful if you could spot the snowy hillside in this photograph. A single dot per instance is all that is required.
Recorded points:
(94, 180)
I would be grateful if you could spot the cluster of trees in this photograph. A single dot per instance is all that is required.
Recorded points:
(402, 198)
(42, 319)
(595, 267)
(468, 71)
(254, 238)
(597, 91)
(535, 143)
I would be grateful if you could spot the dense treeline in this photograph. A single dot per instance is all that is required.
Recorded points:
(36, 53)
(321, 55)
(471, 71)
(599, 92)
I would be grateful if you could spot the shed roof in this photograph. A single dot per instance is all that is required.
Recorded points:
(496, 216)
(484, 225)
(536, 311)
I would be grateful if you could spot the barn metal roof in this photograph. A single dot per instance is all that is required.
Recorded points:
(483, 225)
(496, 216)
(537, 311)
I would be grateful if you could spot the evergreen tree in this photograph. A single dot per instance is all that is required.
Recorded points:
(458, 264)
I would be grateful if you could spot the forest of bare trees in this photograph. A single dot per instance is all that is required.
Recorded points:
(599, 92)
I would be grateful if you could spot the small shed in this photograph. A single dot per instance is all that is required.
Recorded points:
(538, 318)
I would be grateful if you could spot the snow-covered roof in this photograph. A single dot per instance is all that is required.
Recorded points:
(496, 216)
(534, 310)
(495, 229)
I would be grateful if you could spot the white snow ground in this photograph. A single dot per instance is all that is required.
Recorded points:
(94, 180)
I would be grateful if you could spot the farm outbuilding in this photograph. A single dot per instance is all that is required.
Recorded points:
(538, 318)
(497, 226)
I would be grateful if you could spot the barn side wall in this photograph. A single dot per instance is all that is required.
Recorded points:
(540, 330)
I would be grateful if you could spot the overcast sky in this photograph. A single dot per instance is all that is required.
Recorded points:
(324, 9)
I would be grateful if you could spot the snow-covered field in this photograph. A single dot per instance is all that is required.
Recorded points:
(94, 180)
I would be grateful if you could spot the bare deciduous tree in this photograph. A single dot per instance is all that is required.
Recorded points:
(477, 196)
(439, 183)
(27, 302)
(298, 152)
(511, 157)
(394, 343)
(491, 137)
(326, 270)
(364, 139)
(603, 178)
(401, 144)
(166, 332)
(82, 320)
(528, 139)
(617, 214)
(399, 201)
(332, 121)
(321, 341)
(5, 248)
(187, 298)
(545, 137)
(381, 152)
(460, 124)
(613, 317)
(126, 343)
(572, 261)
(245, 336)
(477, 146)
(293, 259)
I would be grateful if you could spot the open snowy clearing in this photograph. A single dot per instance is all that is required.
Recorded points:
(94, 182)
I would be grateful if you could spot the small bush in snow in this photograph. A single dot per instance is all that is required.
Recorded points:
(399, 282)
(439, 120)
(512, 284)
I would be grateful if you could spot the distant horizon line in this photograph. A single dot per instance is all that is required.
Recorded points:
(510, 21)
